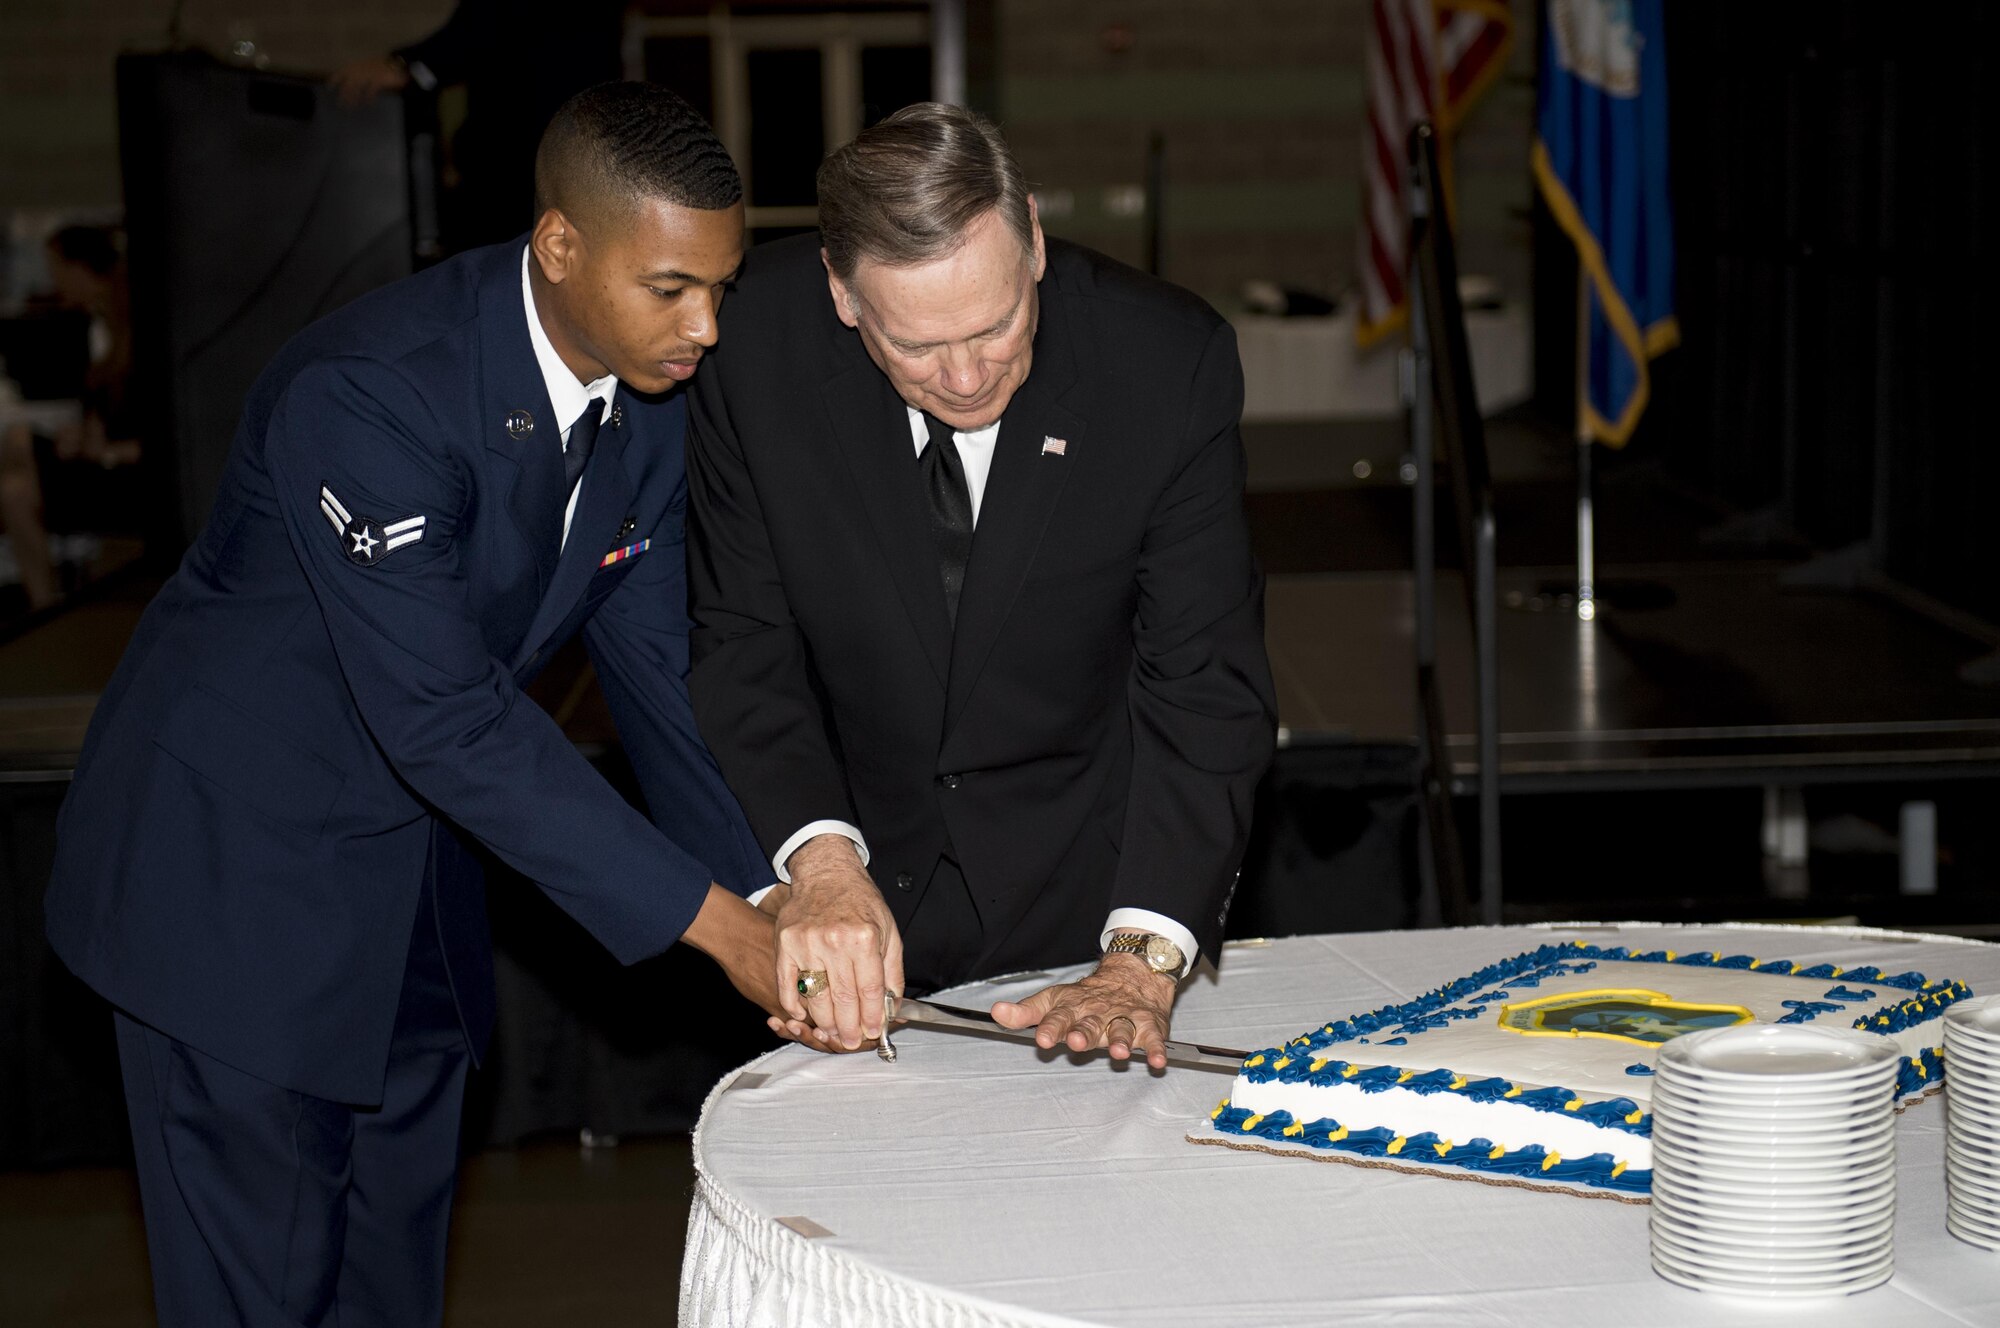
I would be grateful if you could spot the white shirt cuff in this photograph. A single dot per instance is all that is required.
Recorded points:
(1144, 919)
(810, 831)
(756, 897)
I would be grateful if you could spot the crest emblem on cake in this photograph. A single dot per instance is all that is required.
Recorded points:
(1536, 1070)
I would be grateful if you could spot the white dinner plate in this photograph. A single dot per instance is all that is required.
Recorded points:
(1971, 1069)
(1973, 1220)
(1975, 1154)
(1733, 1221)
(1827, 1245)
(1767, 1291)
(1760, 1165)
(1721, 1255)
(1873, 1095)
(1798, 1102)
(1706, 1138)
(1792, 1053)
(1830, 1180)
(1833, 1201)
(1836, 1270)
(1978, 1015)
(1973, 1124)
(1985, 1180)
(1759, 1153)
(1774, 1286)
(1971, 1236)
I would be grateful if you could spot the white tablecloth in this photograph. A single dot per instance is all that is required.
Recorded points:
(980, 1182)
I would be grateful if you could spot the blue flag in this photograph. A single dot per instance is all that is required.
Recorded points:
(1600, 159)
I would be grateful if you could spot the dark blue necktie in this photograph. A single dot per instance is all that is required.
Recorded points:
(951, 509)
(582, 441)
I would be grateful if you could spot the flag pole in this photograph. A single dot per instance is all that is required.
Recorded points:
(1586, 530)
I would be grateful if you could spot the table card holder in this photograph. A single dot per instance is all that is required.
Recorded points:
(1774, 1161)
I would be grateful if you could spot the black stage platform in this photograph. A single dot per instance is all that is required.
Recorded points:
(1726, 679)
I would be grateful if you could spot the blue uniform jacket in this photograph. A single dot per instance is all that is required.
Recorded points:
(318, 709)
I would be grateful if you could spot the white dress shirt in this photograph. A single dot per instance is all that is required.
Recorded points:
(568, 394)
(975, 452)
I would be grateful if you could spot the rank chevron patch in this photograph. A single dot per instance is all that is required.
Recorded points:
(364, 540)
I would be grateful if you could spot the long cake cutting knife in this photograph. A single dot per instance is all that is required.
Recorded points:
(931, 1014)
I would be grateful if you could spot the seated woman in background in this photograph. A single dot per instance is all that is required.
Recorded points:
(60, 482)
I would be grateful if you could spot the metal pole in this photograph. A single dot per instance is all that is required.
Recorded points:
(948, 51)
(1586, 505)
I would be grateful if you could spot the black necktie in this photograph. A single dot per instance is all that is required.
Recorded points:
(951, 509)
(582, 440)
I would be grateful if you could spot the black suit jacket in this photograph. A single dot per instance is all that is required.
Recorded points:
(1090, 735)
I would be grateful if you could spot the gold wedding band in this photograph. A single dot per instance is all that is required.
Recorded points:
(812, 982)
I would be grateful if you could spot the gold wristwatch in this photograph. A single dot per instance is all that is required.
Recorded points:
(1161, 955)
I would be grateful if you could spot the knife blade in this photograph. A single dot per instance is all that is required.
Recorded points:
(933, 1014)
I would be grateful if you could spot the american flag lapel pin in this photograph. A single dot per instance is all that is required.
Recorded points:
(1052, 446)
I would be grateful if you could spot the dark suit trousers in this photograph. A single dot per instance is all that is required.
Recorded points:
(269, 1208)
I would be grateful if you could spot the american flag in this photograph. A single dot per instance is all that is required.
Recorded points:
(1427, 60)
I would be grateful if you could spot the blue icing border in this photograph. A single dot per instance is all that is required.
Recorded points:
(1296, 1060)
(1599, 1170)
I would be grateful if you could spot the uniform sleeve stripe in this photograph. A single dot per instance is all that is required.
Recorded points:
(332, 518)
(398, 541)
(407, 523)
(326, 497)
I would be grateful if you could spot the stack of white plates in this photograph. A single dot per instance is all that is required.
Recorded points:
(1972, 1121)
(1774, 1160)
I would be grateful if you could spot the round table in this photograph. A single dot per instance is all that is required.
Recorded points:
(979, 1181)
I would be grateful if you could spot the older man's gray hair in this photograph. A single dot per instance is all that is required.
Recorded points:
(904, 191)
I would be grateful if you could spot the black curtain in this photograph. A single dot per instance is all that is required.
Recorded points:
(1834, 210)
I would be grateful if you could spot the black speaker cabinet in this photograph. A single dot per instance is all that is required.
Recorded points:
(255, 203)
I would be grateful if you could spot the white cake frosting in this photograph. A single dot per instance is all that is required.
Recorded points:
(1541, 1066)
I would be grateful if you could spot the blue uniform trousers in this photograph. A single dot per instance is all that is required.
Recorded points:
(266, 1207)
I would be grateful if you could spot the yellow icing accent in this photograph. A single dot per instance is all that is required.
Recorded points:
(1219, 1110)
(1318, 1064)
(1573, 1104)
(1252, 1123)
(1755, 964)
(1396, 1145)
(1618, 1171)
(1254, 1060)
(1529, 1018)
(1635, 1118)
(1442, 1148)
(1670, 956)
(1281, 1062)
(1512, 1092)
(1551, 1160)
(1337, 1134)
(1350, 1072)
(1406, 1076)
(1715, 956)
(1458, 1081)
(1497, 1153)
(1918, 1066)
(1294, 1130)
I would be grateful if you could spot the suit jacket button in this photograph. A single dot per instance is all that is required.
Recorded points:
(902, 880)
(948, 781)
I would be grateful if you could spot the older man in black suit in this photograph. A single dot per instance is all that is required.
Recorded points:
(978, 636)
